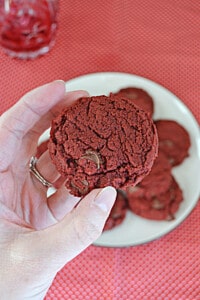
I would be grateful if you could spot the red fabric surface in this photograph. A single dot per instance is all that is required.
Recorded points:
(156, 39)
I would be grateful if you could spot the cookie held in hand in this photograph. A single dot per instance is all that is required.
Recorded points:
(101, 141)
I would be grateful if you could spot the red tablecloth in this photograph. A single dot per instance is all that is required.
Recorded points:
(159, 40)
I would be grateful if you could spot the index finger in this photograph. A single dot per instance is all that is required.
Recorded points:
(28, 110)
(24, 115)
(30, 140)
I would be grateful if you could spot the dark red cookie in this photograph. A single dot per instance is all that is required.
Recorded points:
(174, 140)
(162, 206)
(101, 141)
(140, 98)
(118, 212)
(159, 179)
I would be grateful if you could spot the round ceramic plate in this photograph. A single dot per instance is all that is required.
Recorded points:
(136, 230)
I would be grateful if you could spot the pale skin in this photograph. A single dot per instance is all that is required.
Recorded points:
(40, 234)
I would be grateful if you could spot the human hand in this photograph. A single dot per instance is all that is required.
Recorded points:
(40, 234)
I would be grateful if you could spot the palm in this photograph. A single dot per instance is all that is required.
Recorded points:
(24, 197)
(25, 207)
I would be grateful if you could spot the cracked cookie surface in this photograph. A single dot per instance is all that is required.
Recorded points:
(101, 141)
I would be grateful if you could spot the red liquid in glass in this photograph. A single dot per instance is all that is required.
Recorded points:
(28, 25)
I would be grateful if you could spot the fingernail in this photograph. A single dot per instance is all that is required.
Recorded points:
(78, 93)
(106, 198)
(86, 93)
(60, 80)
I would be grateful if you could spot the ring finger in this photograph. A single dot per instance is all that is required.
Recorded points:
(46, 168)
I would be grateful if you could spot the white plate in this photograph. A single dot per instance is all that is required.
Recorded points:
(136, 230)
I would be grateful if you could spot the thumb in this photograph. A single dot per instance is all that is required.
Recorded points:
(77, 230)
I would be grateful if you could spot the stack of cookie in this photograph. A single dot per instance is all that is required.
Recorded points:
(158, 195)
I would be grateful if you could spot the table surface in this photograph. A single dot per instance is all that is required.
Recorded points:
(158, 40)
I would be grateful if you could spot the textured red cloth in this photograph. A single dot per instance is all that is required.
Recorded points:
(156, 39)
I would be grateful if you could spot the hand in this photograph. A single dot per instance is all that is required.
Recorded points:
(40, 234)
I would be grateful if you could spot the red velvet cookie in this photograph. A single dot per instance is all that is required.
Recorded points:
(161, 206)
(118, 212)
(159, 179)
(101, 141)
(139, 97)
(174, 140)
